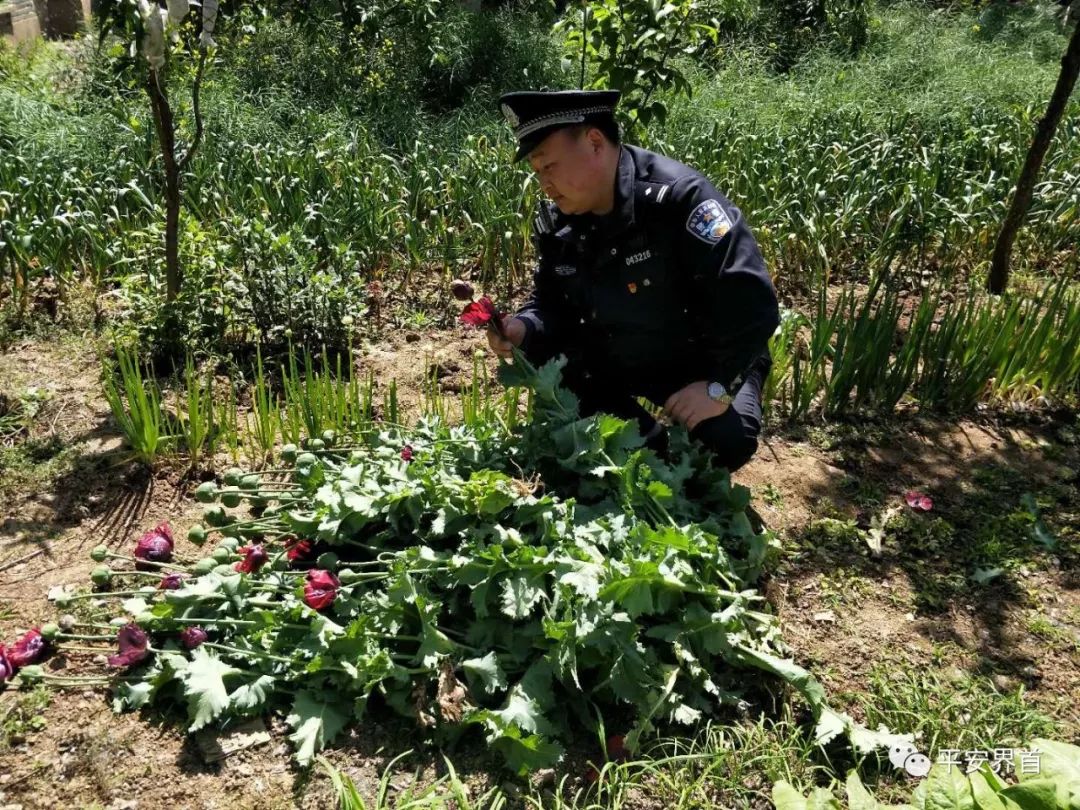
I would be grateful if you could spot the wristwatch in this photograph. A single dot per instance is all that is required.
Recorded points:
(717, 393)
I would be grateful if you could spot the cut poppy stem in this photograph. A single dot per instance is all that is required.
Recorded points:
(248, 653)
(104, 594)
(114, 556)
(87, 637)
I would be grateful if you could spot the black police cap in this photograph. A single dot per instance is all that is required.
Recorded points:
(536, 114)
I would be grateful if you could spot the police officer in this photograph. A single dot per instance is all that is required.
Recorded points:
(648, 279)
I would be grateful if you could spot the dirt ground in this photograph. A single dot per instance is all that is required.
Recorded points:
(84, 755)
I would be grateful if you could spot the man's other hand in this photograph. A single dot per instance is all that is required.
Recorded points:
(692, 404)
(514, 329)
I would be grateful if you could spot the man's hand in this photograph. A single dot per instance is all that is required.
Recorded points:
(692, 404)
(514, 329)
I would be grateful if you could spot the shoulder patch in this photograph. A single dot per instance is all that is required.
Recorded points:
(544, 221)
(708, 222)
(651, 191)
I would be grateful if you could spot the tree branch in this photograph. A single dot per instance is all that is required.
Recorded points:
(195, 111)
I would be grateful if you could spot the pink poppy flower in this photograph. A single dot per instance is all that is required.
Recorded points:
(171, 582)
(7, 669)
(192, 637)
(919, 500)
(133, 644)
(27, 650)
(155, 546)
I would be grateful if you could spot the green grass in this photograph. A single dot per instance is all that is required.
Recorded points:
(934, 65)
(959, 711)
(736, 765)
(22, 715)
(30, 465)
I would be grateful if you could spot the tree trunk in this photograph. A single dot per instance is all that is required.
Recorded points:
(1025, 185)
(166, 132)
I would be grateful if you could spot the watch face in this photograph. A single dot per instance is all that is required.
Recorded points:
(715, 390)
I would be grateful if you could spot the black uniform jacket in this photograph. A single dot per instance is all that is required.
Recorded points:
(671, 277)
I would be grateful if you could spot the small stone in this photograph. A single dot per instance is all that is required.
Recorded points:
(545, 777)
(825, 616)
(512, 790)
(412, 337)
(909, 617)
(1002, 682)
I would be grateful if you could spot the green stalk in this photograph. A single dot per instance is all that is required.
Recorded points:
(112, 555)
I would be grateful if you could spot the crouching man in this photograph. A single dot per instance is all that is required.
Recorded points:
(648, 279)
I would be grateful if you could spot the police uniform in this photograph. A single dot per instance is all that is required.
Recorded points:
(668, 289)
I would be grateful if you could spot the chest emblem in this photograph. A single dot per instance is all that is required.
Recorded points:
(638, 257)
(708, 222)
(632, 287)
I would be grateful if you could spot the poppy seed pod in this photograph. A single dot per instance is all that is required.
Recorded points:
(462, 290)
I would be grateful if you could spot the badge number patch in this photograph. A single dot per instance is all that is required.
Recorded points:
(708, 222)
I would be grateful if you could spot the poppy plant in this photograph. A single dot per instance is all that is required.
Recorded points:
(133, 645)
(297, 549)
(155, 546)
(192, 637)
(171, 582)
(919, 500)
(462, 290)
(482, 313)
(7, 669)
(254, 558)
(616, 752)
(321, 589)
(27, 650)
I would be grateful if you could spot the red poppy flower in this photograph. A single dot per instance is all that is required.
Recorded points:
(155, 546)
(482, 313)
(616, 752)
(254, 558)
(406, 453)
(297, 549)
(616, 748)
(134, 646)
(171, 582)
(192, 637)
(919, 500)
(321, 589)
(27, 650)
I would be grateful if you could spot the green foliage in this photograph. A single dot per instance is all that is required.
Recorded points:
(292, 206)
(23, 715)
(135, 401)
(966, 712)
(790, 28)
(867, 352)
(389, 61)
(469, 599)
(629, 47)
(194, 418)
(1055, 786)
(448, 790)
